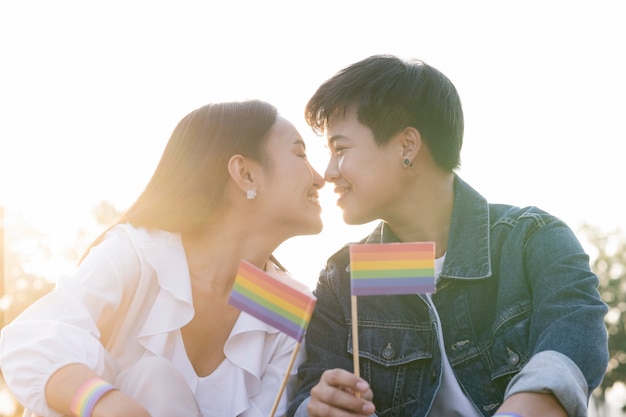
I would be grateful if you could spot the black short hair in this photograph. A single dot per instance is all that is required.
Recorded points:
(390, 94)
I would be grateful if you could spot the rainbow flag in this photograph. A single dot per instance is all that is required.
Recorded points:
(272, 301)
(392, 268)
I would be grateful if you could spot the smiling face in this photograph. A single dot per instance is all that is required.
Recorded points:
(289, 190)
(367, 178)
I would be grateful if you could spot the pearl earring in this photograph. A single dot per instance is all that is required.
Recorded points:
(250, 194)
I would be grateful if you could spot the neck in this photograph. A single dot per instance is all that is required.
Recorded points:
(213, 257)
(426, 213)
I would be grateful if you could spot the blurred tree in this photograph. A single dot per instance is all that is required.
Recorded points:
(23, 285)
(105, 213)
(2, 265)
(609, 263)
(31, 260)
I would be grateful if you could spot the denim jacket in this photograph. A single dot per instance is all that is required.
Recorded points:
(515, 285)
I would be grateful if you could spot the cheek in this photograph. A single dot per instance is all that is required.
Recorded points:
(344, 166)
(296, 175)
(354, 167)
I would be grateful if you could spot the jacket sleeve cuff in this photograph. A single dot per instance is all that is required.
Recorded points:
(552, 372)
(301, 410)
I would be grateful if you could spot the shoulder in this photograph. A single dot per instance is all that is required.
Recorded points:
(140, 235)
(470, 204)
(503, 214)
(129, 247)
(142, 239)
(531, 227)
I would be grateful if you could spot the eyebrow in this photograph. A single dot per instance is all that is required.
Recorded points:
(299, 142)
(335, 138)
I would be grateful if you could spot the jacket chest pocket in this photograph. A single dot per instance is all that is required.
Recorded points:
(510, 346)
(390, 344)
(395, 359)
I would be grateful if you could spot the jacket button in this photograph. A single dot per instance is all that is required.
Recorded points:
(513, 358)
(388, 352)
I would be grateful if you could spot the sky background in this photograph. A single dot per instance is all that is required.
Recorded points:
(90, 92)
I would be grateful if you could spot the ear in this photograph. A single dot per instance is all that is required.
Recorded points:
(241, 171)
(411, 142)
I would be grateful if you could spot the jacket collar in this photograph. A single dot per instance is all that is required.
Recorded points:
(468, 253)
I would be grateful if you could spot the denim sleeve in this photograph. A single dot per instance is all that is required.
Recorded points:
(553, 372)
(568, 311)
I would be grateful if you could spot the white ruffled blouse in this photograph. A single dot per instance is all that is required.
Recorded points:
(129, 299)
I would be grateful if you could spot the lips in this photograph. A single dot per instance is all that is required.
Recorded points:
(313, 198)
(341, 191)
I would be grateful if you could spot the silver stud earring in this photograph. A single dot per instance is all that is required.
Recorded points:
(250, 194)
(407, 163)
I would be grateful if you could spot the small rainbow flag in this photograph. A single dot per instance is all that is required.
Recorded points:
(272, 301)
(392, 268)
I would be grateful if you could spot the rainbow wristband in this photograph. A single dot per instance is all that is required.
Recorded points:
(88, 395)
(506, 415)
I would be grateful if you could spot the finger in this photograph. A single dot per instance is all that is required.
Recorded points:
(333, 400)
(321, 409)
(368, 395)
(344, 379)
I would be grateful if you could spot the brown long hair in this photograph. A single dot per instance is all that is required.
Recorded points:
(189, 180)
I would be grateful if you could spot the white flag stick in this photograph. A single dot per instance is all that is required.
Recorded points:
(355, 339)
(284, 384)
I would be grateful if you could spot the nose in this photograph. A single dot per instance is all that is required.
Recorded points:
(332, 170)
(318, 180)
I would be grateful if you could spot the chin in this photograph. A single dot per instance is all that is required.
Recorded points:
(317, 228)
(355, 220)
